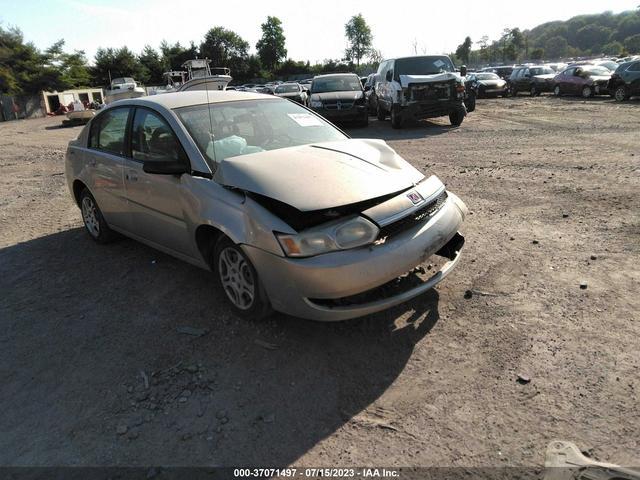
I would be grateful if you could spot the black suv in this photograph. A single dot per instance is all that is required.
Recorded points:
(534, 79)
(625, 81)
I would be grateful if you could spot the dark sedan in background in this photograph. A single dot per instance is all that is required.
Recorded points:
(292, 91)
(339, 97)
(585, 80)
(489, 84)
(533, 79)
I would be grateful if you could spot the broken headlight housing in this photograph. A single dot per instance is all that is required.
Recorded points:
(342, 235)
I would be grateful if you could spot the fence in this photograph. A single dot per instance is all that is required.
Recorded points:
(13, 107)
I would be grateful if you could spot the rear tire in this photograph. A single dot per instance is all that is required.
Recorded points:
(533, 91)
(94, 222)
(587, 92)
(380, 113)
(556, 91)
(238, 279)
(456, 118)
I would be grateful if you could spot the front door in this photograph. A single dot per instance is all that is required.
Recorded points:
(155, 201)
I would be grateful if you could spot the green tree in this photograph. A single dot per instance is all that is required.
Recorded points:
(72, 67)
(556, 47)
(112, 63)
(359, 38)
(174, 55)
(537, 54)
(153, 66)
(271, 47)
(613, 48)
(632, 44)
(591, 36)
(464, 49)
(226, 48)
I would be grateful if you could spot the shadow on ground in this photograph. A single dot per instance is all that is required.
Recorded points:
(411, 130)
(95, 373)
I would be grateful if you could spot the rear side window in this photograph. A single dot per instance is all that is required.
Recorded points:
(153, 140)
(109, 133)
(635, 67)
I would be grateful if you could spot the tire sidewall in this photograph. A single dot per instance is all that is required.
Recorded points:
(105, 234)
(261, 307)
(622, 97)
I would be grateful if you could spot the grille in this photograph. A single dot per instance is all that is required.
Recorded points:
(415, 218)
(334, 105)
(435, 91)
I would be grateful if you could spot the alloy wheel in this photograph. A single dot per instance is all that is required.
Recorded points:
(620, 94)
(90, 216)
(556, 90)
(237, 278)
(586, 92)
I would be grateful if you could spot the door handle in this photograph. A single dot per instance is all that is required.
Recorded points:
(132, 177)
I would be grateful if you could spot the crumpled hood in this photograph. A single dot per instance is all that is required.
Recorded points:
(545, 76)
(322, 175)
(600, 78)
(405, 80)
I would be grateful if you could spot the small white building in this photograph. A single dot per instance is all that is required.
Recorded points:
(53, 100)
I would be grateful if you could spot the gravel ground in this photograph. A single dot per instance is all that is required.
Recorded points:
(95, 372)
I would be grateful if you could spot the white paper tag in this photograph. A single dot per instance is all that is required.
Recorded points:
(438, 63)
(305, 119)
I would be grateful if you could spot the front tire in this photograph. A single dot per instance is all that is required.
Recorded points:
(556, 91)
(587, 92)
(239, 280)
(470, 103)
(94, 222)
(456, 118)
(620, 94)
(533, 91)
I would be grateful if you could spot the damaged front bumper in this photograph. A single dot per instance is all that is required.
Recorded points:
(433, 108)
(317, 287)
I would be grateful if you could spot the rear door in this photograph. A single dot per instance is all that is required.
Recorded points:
(104, 160)
(631, 77)
(155, 201)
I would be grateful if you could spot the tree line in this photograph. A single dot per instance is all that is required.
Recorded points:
(24, 69)
(584, 35)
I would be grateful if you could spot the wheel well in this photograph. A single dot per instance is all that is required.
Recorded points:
(78, 186)
(206, 238)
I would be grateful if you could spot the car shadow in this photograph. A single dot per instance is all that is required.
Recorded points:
(120, 355)
(411, 130)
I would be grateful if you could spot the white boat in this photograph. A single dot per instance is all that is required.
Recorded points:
(200, 76)
(121, 88)
(175, 79)
(79, 114)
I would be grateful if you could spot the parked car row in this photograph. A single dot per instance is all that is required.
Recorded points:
(585, 78)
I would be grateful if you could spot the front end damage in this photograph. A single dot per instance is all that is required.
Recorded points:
(429, 96)
(397, 266)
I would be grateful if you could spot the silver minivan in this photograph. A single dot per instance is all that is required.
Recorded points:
(288, 212)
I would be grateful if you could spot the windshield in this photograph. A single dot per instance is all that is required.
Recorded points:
(230, 129)
(487, 76)
(287, 89)
(609, 65)
(120, 81)
(540, 71)
(423, 65)
(346, 83)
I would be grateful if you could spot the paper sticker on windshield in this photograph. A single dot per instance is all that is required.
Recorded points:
(305, 119)
(438, 63)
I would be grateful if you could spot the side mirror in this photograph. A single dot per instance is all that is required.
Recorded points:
(463, 71)
(389, 75)
(170, 167)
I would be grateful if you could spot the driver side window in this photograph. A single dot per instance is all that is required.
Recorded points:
(153, 140)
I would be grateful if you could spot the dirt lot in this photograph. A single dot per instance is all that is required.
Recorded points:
(554, 190)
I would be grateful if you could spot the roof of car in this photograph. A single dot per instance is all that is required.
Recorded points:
(195, 97)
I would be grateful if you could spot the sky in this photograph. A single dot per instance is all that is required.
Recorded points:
(314, 28)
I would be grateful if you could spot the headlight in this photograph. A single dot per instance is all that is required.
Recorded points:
(316, 104)
(327, 238)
